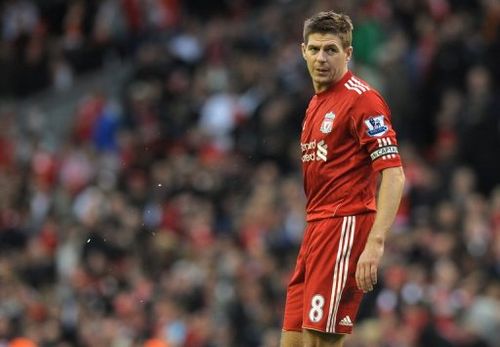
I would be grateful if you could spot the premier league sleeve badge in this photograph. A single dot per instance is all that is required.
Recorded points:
(376, 126)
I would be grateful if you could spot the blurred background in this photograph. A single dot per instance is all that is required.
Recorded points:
(150, 181)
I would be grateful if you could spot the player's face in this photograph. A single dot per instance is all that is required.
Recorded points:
(326, 59)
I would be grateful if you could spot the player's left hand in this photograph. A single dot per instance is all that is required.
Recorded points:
(366, 270)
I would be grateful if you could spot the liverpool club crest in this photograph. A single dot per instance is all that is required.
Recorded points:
(327, 124)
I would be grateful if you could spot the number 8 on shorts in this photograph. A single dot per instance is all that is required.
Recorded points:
(316, 312)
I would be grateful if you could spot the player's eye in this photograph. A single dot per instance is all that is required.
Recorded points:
(314, 49)
(331, 50)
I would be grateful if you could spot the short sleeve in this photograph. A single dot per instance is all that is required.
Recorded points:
(373, 128)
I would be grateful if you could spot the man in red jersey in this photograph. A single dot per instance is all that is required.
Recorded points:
(347, 140)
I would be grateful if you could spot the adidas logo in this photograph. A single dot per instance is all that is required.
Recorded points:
(346, 321)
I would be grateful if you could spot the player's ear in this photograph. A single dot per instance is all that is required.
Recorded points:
(348, 52)
(303, 49)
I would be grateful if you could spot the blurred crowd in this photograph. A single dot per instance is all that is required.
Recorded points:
(171, 214)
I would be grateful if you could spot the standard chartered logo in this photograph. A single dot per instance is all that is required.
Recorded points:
(322, 151)
(314, 151)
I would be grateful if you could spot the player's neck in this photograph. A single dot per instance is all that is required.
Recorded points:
(320, 88)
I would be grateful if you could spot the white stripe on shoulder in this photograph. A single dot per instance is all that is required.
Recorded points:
(356, 85)
(352, 88)
(364, 85)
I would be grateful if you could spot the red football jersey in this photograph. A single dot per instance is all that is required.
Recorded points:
(347, 138)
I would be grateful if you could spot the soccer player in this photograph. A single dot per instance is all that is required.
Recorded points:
(347, 142)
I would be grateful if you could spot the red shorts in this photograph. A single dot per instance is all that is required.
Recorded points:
(322, 294)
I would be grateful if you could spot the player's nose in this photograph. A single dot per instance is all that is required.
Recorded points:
(321, 56)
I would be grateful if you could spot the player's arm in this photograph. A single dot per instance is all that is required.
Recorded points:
(389, 196)
(372, 126)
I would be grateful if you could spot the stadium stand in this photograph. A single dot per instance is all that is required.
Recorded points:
(150, 175)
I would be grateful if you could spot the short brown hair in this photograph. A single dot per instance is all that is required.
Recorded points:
(329, 22)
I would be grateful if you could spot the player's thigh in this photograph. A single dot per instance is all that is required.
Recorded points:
(291, 339)
(313, 338)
